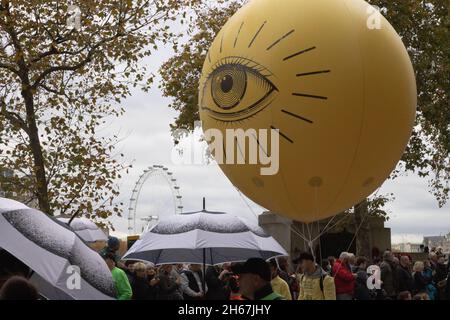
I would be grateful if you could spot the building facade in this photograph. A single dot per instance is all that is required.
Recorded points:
(407, 247)
(438, 241)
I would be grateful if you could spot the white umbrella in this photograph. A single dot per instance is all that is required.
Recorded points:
(53, 252)
(86, 229)
(204, 238)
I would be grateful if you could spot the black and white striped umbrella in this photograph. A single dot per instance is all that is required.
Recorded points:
(55, 253)
(204, 238)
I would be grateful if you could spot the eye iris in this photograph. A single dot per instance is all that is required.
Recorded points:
(227, 83)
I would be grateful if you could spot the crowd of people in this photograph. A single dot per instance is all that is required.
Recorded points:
(390, 278)
(348, 277)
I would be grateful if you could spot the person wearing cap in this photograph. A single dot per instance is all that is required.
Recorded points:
(315, 283)
(279, 285)
(254, 280)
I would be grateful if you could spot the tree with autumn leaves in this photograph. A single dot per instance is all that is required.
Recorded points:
(61, 82)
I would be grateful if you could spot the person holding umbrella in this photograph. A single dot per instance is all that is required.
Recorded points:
(207, 238)
(254, 280)
(216, 281)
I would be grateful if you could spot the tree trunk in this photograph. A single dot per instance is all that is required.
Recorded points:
(33, 132)
(363, 236)
(38, 158)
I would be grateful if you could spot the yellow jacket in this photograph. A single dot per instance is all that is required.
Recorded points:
(281, 287)
(310, 287)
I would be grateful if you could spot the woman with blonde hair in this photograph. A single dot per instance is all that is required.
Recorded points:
(420, 281)
(143, 287)
(418, 266)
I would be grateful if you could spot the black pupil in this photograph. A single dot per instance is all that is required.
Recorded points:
(227, 83)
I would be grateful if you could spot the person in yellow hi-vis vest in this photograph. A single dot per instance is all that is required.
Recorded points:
(279, 285)
(315, 283)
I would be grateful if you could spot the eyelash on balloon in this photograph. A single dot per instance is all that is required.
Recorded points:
(252, 65)
(232, 123)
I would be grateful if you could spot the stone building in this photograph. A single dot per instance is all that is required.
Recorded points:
(438, 241)
(294, 236)
(407, 247)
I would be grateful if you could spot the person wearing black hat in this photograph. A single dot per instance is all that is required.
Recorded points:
(315, 283)
(254, 280)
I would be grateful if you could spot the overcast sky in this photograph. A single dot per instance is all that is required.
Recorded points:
(147, 141)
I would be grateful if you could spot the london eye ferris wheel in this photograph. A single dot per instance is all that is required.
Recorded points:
(155, 194)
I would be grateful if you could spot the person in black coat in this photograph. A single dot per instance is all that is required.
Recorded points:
(447, 289)
(404, 277)
(441, 270)
(142, 287)
(362, 292)
(217, 284)
(420, 281)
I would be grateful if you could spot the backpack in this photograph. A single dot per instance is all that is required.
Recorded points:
(322, 277)
(293, 284)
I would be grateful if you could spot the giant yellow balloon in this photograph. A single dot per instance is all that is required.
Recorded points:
(334, 78)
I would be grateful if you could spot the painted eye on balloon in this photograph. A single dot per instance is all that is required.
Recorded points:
(237, 89)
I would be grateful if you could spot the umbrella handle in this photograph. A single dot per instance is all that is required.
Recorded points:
(204, 271)
(73, 217)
